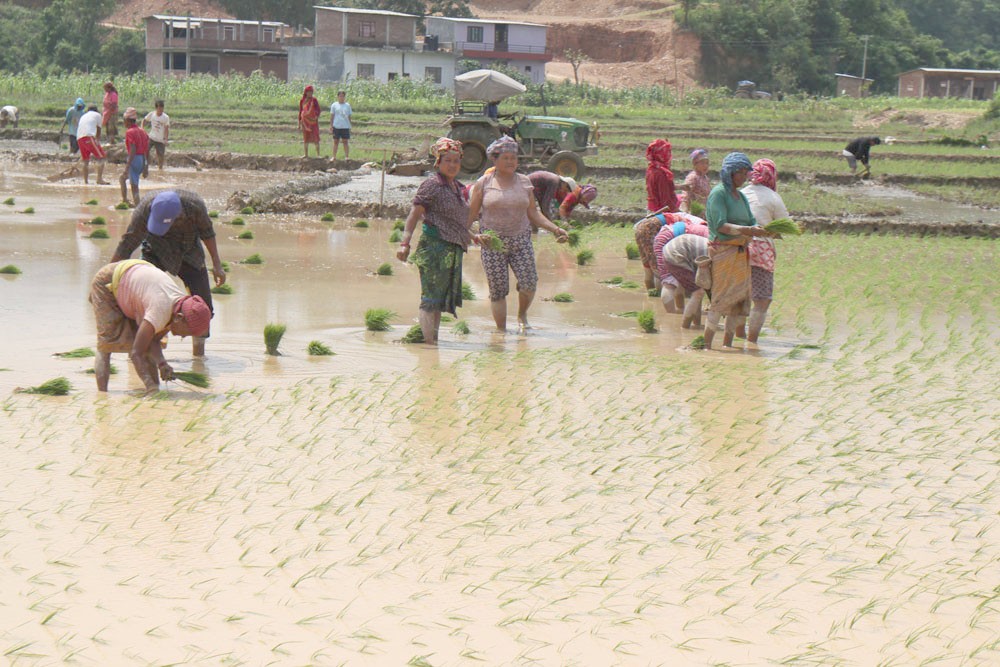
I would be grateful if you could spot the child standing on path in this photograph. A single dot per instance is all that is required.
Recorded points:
(159, 132)
(340, 124)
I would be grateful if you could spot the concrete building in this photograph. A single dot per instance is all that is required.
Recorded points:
(852, 86)
(517, 45)
(367, 44)
(182, 45)
(971, 84)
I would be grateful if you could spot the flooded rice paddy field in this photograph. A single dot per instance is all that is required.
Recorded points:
(582, 495)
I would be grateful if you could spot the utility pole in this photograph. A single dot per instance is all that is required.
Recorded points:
(864, 60)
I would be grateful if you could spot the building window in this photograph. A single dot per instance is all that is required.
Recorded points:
(433, 74)
(366, 70)
(229, 33)
(527, 68)
(268, 34)
(366, 29)
(175, 61)
(474, 34)
(393, 76)
(177, 32)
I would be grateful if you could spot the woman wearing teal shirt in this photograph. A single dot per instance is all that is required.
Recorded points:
(730, 224)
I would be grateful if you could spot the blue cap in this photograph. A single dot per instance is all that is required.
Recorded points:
(679, 228)
(165, 207)
(80, 102)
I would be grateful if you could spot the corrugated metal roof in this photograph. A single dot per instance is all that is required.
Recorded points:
(352, 10)
(200, 19)
(851, 76)
(936, 70)
(485, 21)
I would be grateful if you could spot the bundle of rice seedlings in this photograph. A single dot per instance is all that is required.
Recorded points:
(90, 202)
(254, 259)
(631, 251)
(492, 241)
(461, 327)
(698, 343)
(213, 214)
(629, 284)
(29, 210)
(563, 297)
(226, 266)
(224, 288)
(414, 335)
(628, 313)
(646, 321)
(122, 206)
(399, 225)
(56, 387)
(247, 210)
(361, 224)
(445, 317)
(584, 257)
(327, 217)
(78, 353)
(318, 349)
(10, 270)
(652, 291)
(112, 370)
(272, 337)
(697, 208)
(784, 226)
(574, 237)
(576, 224)
(467, 292)
(98, 220)
(192, 378)
(9, 201)
(377, 319)
(384, 269)
(613, 280)
(396, 236)
(237, 221)
(247, 235)
(99, 234)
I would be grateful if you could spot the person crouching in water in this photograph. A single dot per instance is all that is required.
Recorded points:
(135, 304)
(137, 163)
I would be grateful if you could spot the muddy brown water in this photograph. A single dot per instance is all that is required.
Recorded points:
(584, 494)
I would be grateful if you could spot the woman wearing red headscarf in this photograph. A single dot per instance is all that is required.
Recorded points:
(309, 120)
(766, 205)
(660, 198)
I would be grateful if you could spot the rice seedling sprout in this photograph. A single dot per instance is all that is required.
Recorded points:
(697, 208)
(384, 269)
(226, 266)
(574, 237)
(461, 327)
(377, 319)
(224, 288)
(10, 270)
(247, 210)
(784, 226)
(98, 220)
(213, 214)
(327, 217)
(698, 343)
(396, 236)
(631, 251)
(121, 206)
(78, 353)
(254, 259)
(563, 297)
(237, 221)
(272, 337)
(468, 294)
(584, 257)
(646, 321)
(59, 386)
(193, 378)
(317, 349)
(247, 235)
(9, 201)
(90, 202)
(99, 234)
(361, 224)
(399, 225)
(29, 210)
(491, 240)
(414, 335)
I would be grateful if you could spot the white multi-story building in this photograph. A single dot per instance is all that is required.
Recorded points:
(517, 45)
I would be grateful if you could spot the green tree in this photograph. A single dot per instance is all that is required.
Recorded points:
(123, 52)
(16, 53)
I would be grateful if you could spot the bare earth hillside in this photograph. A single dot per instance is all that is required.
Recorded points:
(131, 13)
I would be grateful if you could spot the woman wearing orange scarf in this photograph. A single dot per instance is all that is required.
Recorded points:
(309, 120)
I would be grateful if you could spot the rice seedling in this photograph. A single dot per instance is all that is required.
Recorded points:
(9, 201)
(468, 294)
(78, 353)
(613, 280)
(112, 370)
(99, 234)
(361, 224)
(563, 297)
(29, 210)
(226, 266)
(384, 269)
(784, 226)
(59, 386)
(246, 236)
(318, 349)
(414, 335)
(224, 288)
(445, 317)
(254, 259)
(584, 257)
(461, 328)
(628, 313)
(193, 378)
(646, 321)
(698, 343)
(98, 220)
(247, 210)
(491, 240)
(10, 270)
(652, 291)
(272, 337)
(396, 236)
(697, 208)
(377, 319)
(399, 225)
(237, 221)
(629, 284)
(327, 217)
(122, 206)
(574, 236)
(631, 251)
(213, 214)
(90, 202)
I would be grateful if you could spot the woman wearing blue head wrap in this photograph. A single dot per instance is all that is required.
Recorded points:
(730, 225)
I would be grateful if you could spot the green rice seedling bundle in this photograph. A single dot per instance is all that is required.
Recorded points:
(584, 257)
(10, 270)
(9, 201)
(631, 251)
(78, 353)
(247, 210)
(414, 335)
(226, 266)
(213, 214)
(468, 294)
(628, 313)
(563, 297)
(629, 284)
(445, 317)
(384, 269)
(576, 224)
(492, 241)
(396, 236)
(90, 202)
(784, 226)
(112, 370)
(192, 377)
(573, 238)
(122, 206)
(237, 221)
(399, 225)
(361, 224)
(29, 210)
(98, 220)
(99, 234)
(698, 343)
(461, 327)
(377, 319)
(652, 291)
(697, 208)
(224, 288)
(327, 217)
(254, 259)
(646, 321)
(59, 386)
(247, 235)
(318, 349)
(613, 280)
(272, 337)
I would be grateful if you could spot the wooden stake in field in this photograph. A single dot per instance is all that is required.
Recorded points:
(381, 190)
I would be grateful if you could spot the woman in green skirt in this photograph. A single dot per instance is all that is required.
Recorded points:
(442, 202)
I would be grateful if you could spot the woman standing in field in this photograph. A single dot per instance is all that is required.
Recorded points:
(442, 202)
(766, 205)
(309, 120)
(109, 119)
(660, 197)
(696, 186)
(730, 225)
(503, 201)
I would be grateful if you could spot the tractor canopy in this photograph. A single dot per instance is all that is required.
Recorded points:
(485, 85)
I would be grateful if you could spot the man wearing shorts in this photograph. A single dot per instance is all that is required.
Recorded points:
(72, 121)
(137, 163)
(340, 124)
(88, 138)
(159, 132)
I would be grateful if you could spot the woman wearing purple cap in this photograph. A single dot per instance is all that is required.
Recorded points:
(135, 304)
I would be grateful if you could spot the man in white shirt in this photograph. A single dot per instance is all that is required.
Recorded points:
(159, 132)
(340, 124)
(8, 114)
(88, 139)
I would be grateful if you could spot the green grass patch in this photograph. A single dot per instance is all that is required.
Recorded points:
(272, 337)
(377, 319)
(317, 349)
(384, 269)
(10, 270)
(59, 386)
(78, 353)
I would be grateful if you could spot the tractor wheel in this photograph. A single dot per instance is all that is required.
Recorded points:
(473, 158)
(567, 163)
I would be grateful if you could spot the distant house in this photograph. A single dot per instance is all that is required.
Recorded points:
(517, 45)
(367, 44)
(852, 86)
(971, 84)
(182, 45)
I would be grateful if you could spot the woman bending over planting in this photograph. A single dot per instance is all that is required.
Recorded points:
(672, 290)
(442, 202)
(135, 304)
(766, 205)
(503, 201)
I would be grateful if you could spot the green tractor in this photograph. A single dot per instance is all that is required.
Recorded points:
(558, 143)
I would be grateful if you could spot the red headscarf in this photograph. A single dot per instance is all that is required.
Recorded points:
(659, 153)
(308, 107)
(765, 173)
